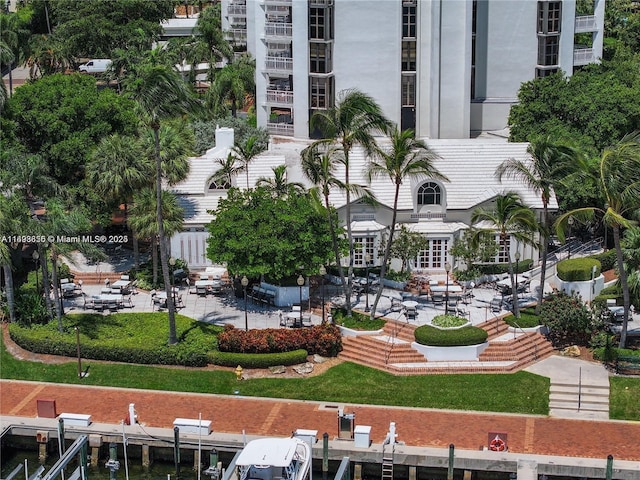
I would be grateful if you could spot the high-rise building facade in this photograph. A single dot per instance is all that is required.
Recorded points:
(446, 68)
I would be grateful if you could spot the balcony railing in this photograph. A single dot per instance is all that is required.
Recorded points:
(237, 35)
(280, 129)
(278, 64)
(237, 9)
(278, 2)
(583, 56)
(277, 9)
(281, 97)
(586, 23)
(272, 29)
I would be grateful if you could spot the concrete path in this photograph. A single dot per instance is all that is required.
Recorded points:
(579, 389)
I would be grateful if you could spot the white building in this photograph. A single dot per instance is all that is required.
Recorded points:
(446, 68)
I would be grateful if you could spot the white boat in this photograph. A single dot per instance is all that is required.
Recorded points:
(275, 459)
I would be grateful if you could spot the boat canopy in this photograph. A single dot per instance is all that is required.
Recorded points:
(276, 452)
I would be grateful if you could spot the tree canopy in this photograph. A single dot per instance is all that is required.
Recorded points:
(256, 234)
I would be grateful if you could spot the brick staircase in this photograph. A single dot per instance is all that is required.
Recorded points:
(391, 351)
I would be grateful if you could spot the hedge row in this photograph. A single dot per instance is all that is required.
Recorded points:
(578, 269)
(499, 268)
(460, 337)
(258, 360)
(324, 340)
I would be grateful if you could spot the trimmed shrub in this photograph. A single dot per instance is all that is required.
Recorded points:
(607, 259)
(567, 318)
(528, 319)
(460, 337)
(499, 268)
(578, 269)
(324, 340)
(357, 320)
(448, 321)
(255, 360)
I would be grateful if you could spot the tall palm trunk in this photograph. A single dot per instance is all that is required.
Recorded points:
(514, 290)
(545, 247)
(136, 250)
(387, 251)
(8, 282)
(348, 284)
(45, 281)
(626, 298)
(334, 241)
(164, 261)
(154, 259)
(56, 290)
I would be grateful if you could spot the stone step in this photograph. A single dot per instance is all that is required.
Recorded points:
(572, 399)
(584, 406)
(565, 389)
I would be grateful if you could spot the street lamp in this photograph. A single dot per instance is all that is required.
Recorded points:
(300, 282)
(36, 256)
(517, 256)
(367, 260)
(447, 268)
(593, 282)
(323, 272)
(244, 282)
(172, 263)
(570, 222)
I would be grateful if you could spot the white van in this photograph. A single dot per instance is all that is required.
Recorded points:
(98, 65)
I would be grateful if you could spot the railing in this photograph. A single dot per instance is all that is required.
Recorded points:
(237, 35)
(583, 56)
(586, 23)
(280, 129)
(275, 29)
(344, 470)
(278, 2)
(236, 9)
(428, 215)
(280, 96)
(277, 9)
(278, 63)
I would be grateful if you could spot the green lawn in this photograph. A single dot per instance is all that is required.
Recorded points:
(347, 382)
(624, 401)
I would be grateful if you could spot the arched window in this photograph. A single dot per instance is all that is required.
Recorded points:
(219, 186)
(429, 194)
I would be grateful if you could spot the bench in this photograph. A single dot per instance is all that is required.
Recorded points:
(75, 419)
(191, 425)
(628, 364)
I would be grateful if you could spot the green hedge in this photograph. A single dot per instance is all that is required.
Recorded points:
(499, 268)
(528, 319)
(460, 337)
(607, 259)
(578, 269)
(258, 360)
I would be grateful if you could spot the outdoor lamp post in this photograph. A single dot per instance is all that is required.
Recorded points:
(570, 222)
(172, 264)
(61, 296)
(593, 282)
(447, 268)
(300, 282)
(517, 256)
(244, 282)
(36, 256)
(367, 260)
(323, 272)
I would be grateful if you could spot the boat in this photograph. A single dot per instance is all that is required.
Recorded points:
(275, 459)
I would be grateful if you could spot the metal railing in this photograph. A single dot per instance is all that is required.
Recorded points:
(236, 9)
(278, 63)
(583, 56)
(586, 23)
(275, 29)
(280, 129)
(280, 96)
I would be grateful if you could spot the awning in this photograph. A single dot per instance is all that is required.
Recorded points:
(436, 227)
(366, 226)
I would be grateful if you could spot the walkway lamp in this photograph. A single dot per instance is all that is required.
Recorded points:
(172, 264)
(570, 222)
(244, 282)
(517, 256)
(300, 282)
(593, 282)
(447, 268)
(367, 261)
(323, 272)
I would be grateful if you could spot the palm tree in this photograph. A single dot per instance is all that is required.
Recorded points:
(278, 184)
(550, 164)
(223, 177)
(354, 120)
(231, 85)
(246, 152)
(6, 57)
(405, 159)
(160, 94)
(15, 39)
(511, 219)
(631, 249)
(618, 178)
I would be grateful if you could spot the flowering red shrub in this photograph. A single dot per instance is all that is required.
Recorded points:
(323, 340)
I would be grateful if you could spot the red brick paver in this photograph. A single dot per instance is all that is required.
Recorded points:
(417, 427)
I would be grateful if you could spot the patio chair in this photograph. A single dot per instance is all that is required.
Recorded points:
(201, 291)
(437, 299)
(411, 313)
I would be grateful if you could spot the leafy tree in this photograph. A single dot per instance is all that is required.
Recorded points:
(618, 177)
(406, 159)
(205, 132)
(352, 121)
(160, 95)
(407, 245)
(231, 85)
(622, 26)
(511, 219)
(567, 318)
(62, 117)
(214, 47)
(631, 251)
(550, 165)
(14, 35)
(474, 247)
(255, 234)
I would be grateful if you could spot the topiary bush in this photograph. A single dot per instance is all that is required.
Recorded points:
(448, 321)
(258, 360)
(459, 337)
(324, 340)
(578, 269)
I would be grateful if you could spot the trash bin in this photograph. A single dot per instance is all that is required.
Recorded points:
(362, 436)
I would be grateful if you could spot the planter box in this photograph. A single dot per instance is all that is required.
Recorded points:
(349, 332)
(450, 354)
(587, 289)
(393, 284)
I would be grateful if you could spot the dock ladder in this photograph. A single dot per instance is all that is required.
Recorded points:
(388, 451)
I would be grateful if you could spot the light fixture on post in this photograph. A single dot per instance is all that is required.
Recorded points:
(300, 282)
(447, 268)
(172, 264)
(36, 256)
(245, 282)
(323, 272)
(517, 257)
(593, 282)
(367, 261)
(570, 222)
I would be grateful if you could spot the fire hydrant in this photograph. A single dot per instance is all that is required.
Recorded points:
(238, 372)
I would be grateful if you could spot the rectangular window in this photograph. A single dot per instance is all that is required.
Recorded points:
(549, 17)
(320, 23)
(361, 247)
(408, 56)
(548, 50)
(544, 72)
(319, 57)
(409, 19)
(504, 249)
(408, 90)
(320, 92)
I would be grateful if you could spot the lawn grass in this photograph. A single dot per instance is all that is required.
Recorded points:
(345, 383)
(624, 400)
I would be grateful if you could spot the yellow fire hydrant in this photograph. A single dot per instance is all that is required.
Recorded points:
(238, 372)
